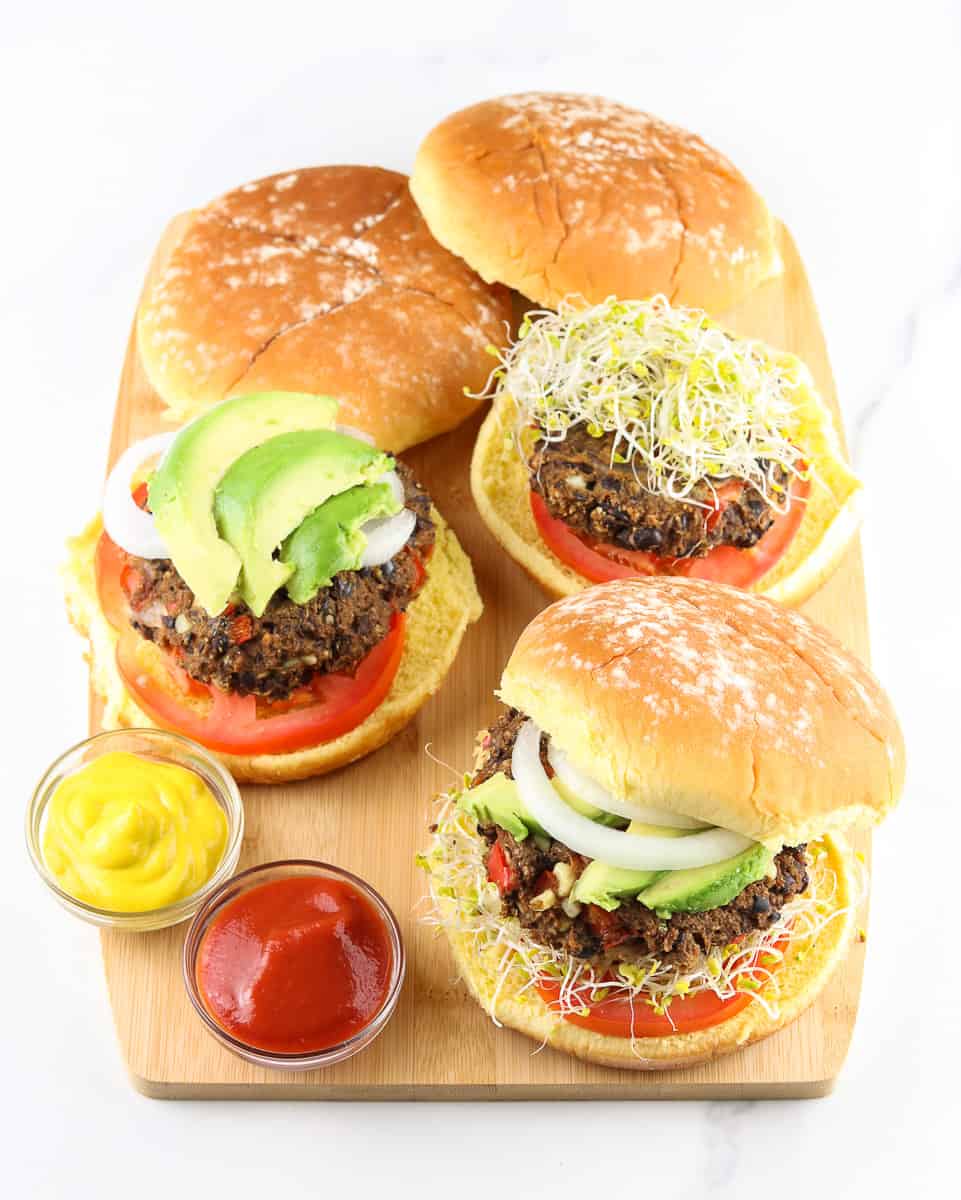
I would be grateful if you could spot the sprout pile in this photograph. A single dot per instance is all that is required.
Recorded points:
(684, 400)
(465, 902)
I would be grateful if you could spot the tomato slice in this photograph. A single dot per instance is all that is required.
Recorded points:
(116, 580)
(701, 1010)
(600, 562)
(332, 705)
(499, 870)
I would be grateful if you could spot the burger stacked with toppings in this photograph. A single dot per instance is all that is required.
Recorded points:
(646, 866)
(271, 584)
(573, 906)
(634, 438)
(273, 655)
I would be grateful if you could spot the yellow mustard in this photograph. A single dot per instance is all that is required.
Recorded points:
(129, 834)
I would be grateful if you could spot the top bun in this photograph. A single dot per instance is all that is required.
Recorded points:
(709, 701)
(322, 280)
(562, 195)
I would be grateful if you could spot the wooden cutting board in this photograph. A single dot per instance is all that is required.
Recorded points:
(372, 818)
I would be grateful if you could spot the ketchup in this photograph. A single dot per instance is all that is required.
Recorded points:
(295, 965)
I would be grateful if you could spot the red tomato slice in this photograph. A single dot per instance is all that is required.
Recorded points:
(687, 1013)
(499, 870)
(600, 562)
(331, 707)
(115, 580)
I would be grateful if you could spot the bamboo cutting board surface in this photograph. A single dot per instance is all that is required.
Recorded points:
(372, 818)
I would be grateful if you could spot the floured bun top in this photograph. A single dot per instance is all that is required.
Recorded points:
(322, 280)
(713, 702)
(563, 195)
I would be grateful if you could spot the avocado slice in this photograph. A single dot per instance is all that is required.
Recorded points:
(497, 801)
(267, 493)
(699, 888)
(587, 810)
(607, 886)
(330, 540)
(181, 492)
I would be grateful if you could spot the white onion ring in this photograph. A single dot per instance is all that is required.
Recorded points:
(610, 846)
(590, 791)
(386, 536)
(129, 526)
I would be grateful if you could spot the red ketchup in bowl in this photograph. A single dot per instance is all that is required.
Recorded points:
(295, 965)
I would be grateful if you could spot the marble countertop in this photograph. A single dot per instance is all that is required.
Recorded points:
(850, 123)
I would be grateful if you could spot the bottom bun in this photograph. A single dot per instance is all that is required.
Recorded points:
(436, 622)
(806, 968)
(500, 482)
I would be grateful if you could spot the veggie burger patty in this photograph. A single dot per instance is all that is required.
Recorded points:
(588, 931)
(585, 488)
(277, 653)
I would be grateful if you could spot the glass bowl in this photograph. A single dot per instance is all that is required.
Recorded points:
(161, 746)
(252, 878)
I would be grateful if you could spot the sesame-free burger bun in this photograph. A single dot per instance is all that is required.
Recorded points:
(436, 622)
(559, 195)
(801, 977)
(500, 483)
(711, 702)
(321, 280)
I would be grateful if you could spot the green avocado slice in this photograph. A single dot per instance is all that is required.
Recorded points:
(181, 492)
(330, 540)
(497, 801)
(607, 886)
(268, 492)
(591, 811)
(699, 888)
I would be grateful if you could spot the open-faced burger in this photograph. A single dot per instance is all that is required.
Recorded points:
(637, 438)
(647, 866)
(270, 584)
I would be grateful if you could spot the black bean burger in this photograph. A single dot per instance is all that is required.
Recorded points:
(647, 866)
(635, 438)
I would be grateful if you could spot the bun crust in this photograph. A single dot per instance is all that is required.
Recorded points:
(558, 194)
(801, 978)
(322, 280)
(436, 622)
(500, 484)
(709, 701)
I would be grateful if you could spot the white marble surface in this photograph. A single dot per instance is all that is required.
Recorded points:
(850, 122)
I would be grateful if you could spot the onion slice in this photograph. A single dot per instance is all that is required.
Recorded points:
(610, 846)
(590, 791)
(386, 536)
(129, 526)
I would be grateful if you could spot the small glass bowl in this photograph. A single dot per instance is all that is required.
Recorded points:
(245, 882)
(163, 747)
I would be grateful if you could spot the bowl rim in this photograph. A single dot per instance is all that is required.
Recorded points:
(226, 793)
(309, 1059)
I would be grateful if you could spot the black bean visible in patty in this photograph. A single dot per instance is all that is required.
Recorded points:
(273, 655)
(608, 501)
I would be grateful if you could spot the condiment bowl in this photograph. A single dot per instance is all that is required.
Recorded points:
(161, 746)
(253, 878)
